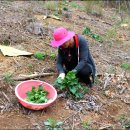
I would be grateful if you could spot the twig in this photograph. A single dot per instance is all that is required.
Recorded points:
(16, 62)
(33, 76)
(71, 116)
(72, 122)
(6, 96)
(122, 90)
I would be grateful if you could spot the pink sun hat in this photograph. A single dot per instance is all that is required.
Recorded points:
(61, 35)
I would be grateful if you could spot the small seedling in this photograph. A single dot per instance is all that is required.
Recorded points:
(125, 66)
(30, 67)
(39, 55)
(8, 78)
(52, 124)
(6, 42)
(87, 125)
(127, 124)
(53, 56)
(65, 8)
(124, 120)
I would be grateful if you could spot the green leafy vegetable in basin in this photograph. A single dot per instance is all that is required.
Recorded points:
(37, 95)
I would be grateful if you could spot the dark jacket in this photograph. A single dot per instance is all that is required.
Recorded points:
(69, 57)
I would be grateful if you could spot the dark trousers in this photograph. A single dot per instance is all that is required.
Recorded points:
(86, 75)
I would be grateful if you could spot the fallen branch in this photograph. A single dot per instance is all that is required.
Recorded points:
(6, 97)
(24, 77)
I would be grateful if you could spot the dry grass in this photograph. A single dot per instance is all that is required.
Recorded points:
(94, 7)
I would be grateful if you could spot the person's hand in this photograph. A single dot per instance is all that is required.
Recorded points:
(75, 71)
(61, 75)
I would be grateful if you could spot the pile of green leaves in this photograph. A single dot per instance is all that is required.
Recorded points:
(71, 86)
(87, 31)
(37, 95)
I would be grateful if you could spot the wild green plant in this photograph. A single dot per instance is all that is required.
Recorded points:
(40, 56)
(6, 42)
(53, 56)
(125, 66)
(71, 86)
(52, 124)
(111, 33)
(87, 31)
(126, 125)
(65, 9)
(8, 78)
(86, 125)
(30, 67)
(122, 117)
(125, 121)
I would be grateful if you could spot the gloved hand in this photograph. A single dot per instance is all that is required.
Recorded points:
(61, 75)
(75, 71)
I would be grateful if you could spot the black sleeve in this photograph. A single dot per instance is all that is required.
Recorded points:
(60, 62)
(83, 53)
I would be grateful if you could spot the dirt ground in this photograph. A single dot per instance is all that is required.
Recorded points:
(113, 96)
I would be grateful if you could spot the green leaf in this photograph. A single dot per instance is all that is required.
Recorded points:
(57, 129)
(79, 95)
(73, 90)
(59, 123)
(125, 66)
(29, 94)
(36, 96)
(53, 56)
(86, 31)
(47, 123)
(33, 89)
(96, 37)
(59, 80)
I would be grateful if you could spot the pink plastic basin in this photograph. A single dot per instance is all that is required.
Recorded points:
(25, 86)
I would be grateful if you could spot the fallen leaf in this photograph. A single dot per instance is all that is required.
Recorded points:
(110, 94)
(124, 25)
(10, 51)
(43, 17)
(40, 17)
(54, 17)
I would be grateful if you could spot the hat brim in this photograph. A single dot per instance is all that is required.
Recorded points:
(55, 43)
